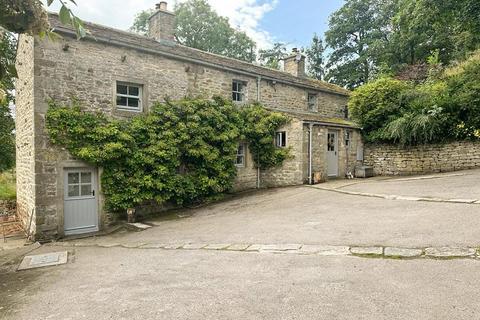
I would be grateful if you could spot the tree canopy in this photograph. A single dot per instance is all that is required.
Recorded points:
(271, 57)
(370, 38)
(199, 26)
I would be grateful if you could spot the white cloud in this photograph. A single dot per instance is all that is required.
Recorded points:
(243, 14)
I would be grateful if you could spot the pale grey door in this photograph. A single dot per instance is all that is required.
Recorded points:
(80, 201)
(332, 154)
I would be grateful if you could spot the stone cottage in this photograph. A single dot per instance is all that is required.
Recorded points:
(122, 74)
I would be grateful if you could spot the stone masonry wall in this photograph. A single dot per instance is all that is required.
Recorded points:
(395, 160)
(24, 123)
(88, 71)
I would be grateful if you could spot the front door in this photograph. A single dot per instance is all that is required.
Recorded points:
(80, 201)
(332, 154)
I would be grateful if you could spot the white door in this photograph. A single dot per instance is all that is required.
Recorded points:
(332, 154)
(80, 202)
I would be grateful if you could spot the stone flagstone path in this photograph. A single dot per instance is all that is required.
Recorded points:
(300, 249)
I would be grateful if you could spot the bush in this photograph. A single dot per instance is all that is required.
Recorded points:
(446, 107)
(463, 81)
(182, 151)
(377, 103)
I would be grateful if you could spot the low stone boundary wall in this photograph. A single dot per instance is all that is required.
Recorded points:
(397, 160)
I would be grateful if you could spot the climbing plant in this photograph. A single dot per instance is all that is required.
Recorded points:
(182, 151)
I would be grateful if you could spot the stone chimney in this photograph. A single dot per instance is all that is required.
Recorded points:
(161, 25)
(295, 64)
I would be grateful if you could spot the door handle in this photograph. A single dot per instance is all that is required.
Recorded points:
(93, 193)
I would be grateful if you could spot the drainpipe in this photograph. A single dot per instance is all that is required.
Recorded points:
(310, 150)
(258, 174)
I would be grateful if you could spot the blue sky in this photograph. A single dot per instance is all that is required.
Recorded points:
(295, 21)
(266, 21)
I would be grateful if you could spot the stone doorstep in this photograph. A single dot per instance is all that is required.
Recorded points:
(402, 252)
(367, 251)
(447, 252)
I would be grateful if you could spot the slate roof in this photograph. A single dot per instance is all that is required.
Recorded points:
(127, 39)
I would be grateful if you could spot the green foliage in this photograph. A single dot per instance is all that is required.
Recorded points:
(463, 83)
(370, 38)
(377, 103)
(271, 58)
(259, 127)
(182, 152)
(357, 35)
(7, 186)
(30, 16)
(198, 26)
(446, 107)
(316, 58)
(140, 23)
(8, 73)
(7, 138)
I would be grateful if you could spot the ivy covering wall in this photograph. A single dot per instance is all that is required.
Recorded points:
(181, 152)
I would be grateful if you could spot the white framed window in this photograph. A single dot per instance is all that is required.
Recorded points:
(312, 102)
(281, 139)
(129, 96)
(348, 137)
(238, 90)
(241, 152)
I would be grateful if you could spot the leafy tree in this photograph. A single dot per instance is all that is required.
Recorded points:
(199, 26)
(30, 16)
(271, 57)
(356, 33)
(7, 138)
(449, 27)
(7, 74)
(140, 23)
(316, 58)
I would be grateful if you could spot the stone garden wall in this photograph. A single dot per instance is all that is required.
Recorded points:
(396, 160)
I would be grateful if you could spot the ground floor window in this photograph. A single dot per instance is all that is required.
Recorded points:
(241, 151)
(281, 139)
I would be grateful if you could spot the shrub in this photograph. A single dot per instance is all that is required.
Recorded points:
(444, 107)
(377, 103)
(182, 151)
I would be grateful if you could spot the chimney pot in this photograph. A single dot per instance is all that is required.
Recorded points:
(163, 6)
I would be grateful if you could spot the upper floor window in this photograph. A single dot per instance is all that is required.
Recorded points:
(238, 90)
(240, 160)
(129, 96)
(312, 102)
(281, 139)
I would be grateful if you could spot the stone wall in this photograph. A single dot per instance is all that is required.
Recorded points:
(88, 71)
(24, 122)
(395, 160)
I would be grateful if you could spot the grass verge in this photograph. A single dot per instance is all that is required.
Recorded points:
(7, 186)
